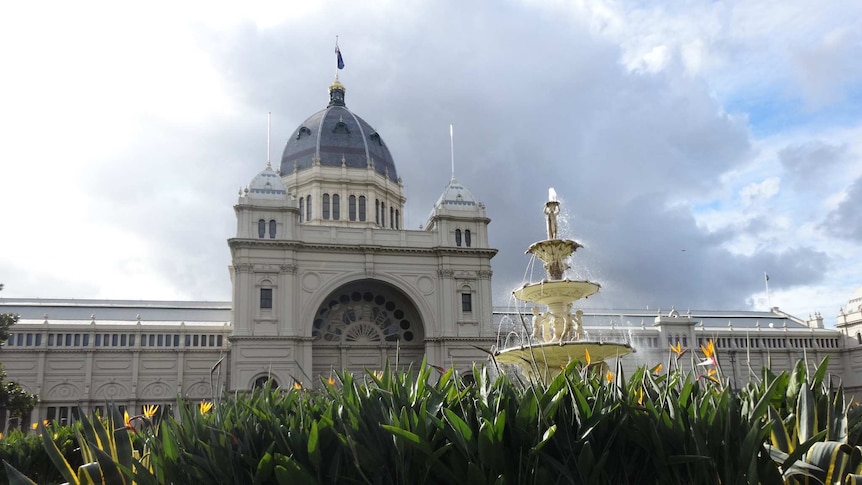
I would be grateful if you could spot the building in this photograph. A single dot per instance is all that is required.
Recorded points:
(324, 277)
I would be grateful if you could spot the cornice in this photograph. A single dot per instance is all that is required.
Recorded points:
(236, 243)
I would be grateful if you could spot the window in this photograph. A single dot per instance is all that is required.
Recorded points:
(467, 241)
(308, 208)
(377, 212)
(272, 229)
(457, 237)
(362, 208)
(397, 219)
(301, 208)
(266, 298)
(351, 207)
(261, 228)
(336, 207)
(391, 218)
(466, 302)
(98, 340)
(220, 340)
(325, 206)
(382, 214)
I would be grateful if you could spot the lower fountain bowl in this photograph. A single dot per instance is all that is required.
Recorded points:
(548, 359)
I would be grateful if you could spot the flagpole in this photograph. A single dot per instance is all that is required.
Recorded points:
(336, 58)
(766, 282)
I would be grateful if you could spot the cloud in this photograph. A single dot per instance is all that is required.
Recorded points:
(845, 221)
(808, 164)
(648, 121)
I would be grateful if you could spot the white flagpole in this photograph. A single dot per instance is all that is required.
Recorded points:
(268, 134)
(766, 282)
(452, 148)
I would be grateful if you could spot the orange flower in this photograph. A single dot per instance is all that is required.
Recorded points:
(678, 350)
(609, 376)
(331, 381)
(46, 422)
(297, 385)
(127, 419)
(640, 395)
(711, 374)
(34, 425)
(587, 356)
(709, 353)
(150, 411)
(657, 369)
(205, 407)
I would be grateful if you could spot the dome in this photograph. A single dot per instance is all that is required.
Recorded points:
(267, 185)
(335, 136)
(855, 302)
(456, 196)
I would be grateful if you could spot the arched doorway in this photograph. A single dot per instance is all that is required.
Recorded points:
(362, 324)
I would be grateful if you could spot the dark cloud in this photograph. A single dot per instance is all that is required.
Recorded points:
(536, 102)
(846, 220)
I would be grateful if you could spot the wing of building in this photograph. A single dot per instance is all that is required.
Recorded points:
(325, 277)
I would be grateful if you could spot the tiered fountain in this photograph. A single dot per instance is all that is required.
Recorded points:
(556, 336)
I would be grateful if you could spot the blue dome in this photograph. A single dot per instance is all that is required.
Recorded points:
(336, 136)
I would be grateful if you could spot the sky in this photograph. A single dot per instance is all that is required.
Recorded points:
(695, 145)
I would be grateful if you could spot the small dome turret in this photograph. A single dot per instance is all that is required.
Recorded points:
(267, 185)
(457, 197)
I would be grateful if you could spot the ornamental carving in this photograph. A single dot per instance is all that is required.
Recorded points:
(445, 273)
(288, 268)
(243, 267)
(485, 274)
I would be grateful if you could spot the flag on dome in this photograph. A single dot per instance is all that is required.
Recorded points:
(340, 60)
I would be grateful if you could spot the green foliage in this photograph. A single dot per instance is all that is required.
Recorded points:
(586, 426)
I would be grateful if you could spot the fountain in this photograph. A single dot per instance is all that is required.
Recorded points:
(556, 336)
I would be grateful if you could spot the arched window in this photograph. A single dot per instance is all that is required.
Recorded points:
(377, 211)
(859, 338)
(382, 215)
(466, 300)
(272, 229)
(457, 237)
(362, 208)
(397, 219)
(391, 218)
(301, 208)
(263, 382)
(325, 206)
(308, 208)
(266, 298)
(261, 228)
(467, 241)
(351, 207)
(336, 207)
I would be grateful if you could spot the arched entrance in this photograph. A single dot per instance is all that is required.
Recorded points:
(362, 324)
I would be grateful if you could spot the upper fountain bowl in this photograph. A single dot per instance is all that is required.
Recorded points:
(562, 291)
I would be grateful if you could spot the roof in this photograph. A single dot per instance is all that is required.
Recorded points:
(456, 196)
(267, 185)
(117, 310)
(335, 136)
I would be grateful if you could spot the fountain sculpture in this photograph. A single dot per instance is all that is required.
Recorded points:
(556, 336)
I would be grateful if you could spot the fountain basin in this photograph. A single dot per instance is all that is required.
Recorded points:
(553, 357)
(551, 292)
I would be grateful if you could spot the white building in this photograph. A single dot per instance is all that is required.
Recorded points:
(325, 277)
